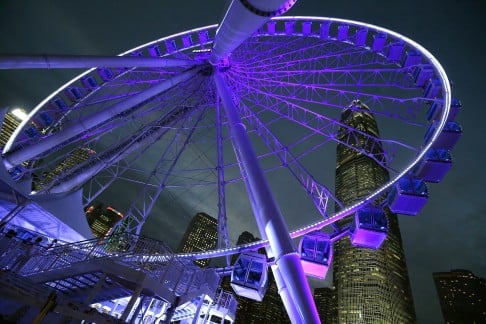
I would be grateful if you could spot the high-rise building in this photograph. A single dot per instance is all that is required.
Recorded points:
(201, 235)
(270, 309)
(372, 286)
(11, 121)
(326, 304)
(101, 219)
(70, 162)
(462, 296)
(9, 124)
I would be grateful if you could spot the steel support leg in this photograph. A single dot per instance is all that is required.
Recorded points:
(12, 213)
(138, 309)
(131, 302)
(268, 216)
(94, 291)
(195, 319)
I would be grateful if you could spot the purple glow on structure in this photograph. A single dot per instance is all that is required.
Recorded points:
(434, 166)
(444, 114)
(369, 228)
(241, 20)
(408, 196)
(348, 210)
(249, 276)
(316, 254)
(268, 215)
(75, 129)
(34, 111)
(37, 219)
(317, 270)
(368, 238)
(448, 136)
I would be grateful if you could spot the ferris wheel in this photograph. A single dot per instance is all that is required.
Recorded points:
(205, 113)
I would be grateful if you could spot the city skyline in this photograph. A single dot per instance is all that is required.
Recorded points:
(424, 242)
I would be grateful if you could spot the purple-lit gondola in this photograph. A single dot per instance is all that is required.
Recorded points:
(435, 110)
(74, 93)
(447, 138)
(249, 277)
(316, 254)
(60, 104)
(434, 165)
(32, 131)
(89, 83)
(369, 228)
(45, 119)
(106, 74)
(408, 196)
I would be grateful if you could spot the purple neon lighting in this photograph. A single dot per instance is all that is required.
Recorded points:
(267, 213)
(241, 21)
(368, 238)
(434, 166)
(32, 113)
(319, 193)
(444, 112)
(316, 254)
(446, 95)
(250, 275)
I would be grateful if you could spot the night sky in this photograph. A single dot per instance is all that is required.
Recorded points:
(447, 234)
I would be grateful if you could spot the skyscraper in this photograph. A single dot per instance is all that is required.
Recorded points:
(462, 296)
(201, 235)
(270, 309)
(11, 120)
(73, 160)
(101, 220)
(9, 124)
(371, 285)
(326, 304)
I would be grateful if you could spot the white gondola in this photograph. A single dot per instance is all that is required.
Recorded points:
(369, 228)
(316, 254)
(249, 276)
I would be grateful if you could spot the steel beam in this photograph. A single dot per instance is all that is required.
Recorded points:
(87, 61)
(300, 303)
(121, 151)
(242, 19)
(75, 129)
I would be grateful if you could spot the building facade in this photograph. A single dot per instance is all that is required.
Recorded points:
(372, 286)
(9, 125)
(101, 219)
(11, 120)
(462, 296)
(201, 235)
(326, 304)
(68, 164)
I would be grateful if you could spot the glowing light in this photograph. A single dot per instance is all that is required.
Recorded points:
(19, 113)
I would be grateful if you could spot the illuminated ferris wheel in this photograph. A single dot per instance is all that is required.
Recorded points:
(213, 112)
